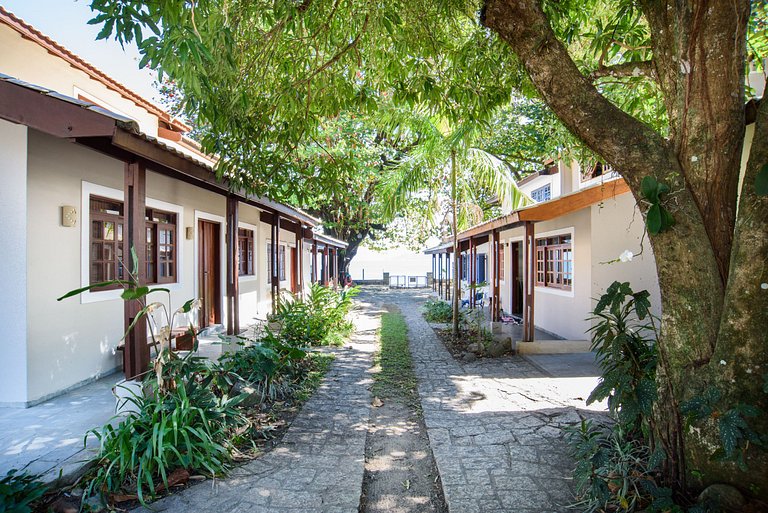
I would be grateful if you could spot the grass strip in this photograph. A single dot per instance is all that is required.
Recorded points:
(321, 362)
(395, 376)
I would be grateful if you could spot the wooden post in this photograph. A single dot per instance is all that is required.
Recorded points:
(233, 267)
(300, 257)
(326, 263)
(136, 351)
(528, 278)
(472, 273)
(447, 276)
(275, 278)
(313, 277)
(434, 269)
(440, 274)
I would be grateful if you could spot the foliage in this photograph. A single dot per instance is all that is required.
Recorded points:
(626, 355)
(616, 468)
(271, 367)
(245, 66)
(19, 491)
(437, 311)
(320, 318)
(615, 472)
(396, 377)
(657, 218)
(179, 423)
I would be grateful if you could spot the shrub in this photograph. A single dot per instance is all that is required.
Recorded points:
(318, 319)
(616, 468)
(269, 366)
(179, 423)
(438, 311)
(19, 492)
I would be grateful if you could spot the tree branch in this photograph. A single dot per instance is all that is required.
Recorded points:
(625, 69)
(635, 149)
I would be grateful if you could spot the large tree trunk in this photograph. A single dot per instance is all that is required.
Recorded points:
(709, 265)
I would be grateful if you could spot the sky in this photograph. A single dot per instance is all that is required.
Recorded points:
(66, 22)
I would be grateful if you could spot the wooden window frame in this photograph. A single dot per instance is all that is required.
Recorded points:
(500, 256)
(153, 231)
(550, 269)
(245, 250)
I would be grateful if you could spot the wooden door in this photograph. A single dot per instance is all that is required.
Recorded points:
(209, 272)
(294, 270)
(517, 278)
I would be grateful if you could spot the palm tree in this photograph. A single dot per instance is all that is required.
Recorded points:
(448, 150)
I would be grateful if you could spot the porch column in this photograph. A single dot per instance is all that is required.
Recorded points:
(434, 269)
(528, 282)
(326, 270)
(313, 277)
(300, 259)
(233, 267)
(136, 351)
(275, 278)
(472, 272)
(448, 276)
(440, 275)
(496, 282)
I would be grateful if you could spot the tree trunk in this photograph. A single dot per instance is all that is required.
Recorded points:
(455, 230)
(713, 308)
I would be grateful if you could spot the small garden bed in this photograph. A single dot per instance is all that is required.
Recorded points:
(474, 340)
(192, 418)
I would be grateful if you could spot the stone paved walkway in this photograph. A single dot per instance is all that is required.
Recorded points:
(319, 465)
(495, 425)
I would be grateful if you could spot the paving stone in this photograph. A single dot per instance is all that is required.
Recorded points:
(495, 425)
(319, 465)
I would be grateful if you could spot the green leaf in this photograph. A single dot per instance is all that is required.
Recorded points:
(137, 293)
(761, 181)
(667, 221)
(650, 189)
(654, 220)
(94, 286)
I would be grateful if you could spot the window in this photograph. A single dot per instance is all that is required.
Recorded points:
(280, 261)
(245, 252)
(542, 194)
(463, 267)
(501, 262)
(107, 251)
(554, 262)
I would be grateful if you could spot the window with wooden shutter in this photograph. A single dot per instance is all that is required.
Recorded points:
(108, 253)
(245, 252)
(554, 262)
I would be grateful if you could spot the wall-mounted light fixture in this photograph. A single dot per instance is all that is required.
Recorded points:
(190, 233)
(68, 216)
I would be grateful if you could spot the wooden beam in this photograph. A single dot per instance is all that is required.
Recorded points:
(529, 281)
(313, 277)
(573, 202)
(136, 352)
(300, 257)
(233, 267)
(326, 273)
(45, 112)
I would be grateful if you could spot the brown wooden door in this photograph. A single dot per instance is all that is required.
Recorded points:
(209, 270)
(294, 270)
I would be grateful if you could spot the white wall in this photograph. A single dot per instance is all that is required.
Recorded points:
(26, 60)
(13, 271)
(541, 181)
(618, 226)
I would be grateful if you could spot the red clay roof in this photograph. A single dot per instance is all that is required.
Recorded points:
(29, 32)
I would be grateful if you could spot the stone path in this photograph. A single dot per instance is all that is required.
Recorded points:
(495, 425)
(319, 465)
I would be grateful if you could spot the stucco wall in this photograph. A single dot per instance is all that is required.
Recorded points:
(618, 226)
(564, 312)
(27, 61)
(13, 272)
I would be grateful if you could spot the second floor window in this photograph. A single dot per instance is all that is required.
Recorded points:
(542, 194)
